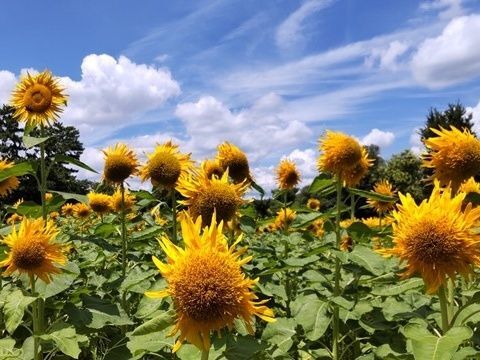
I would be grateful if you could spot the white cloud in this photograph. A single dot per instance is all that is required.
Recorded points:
(378, 137)
(447, 8)
(7, 83)
(452, 57)
(289, 32)
(475, 111)
(417, 146)
(387, 58)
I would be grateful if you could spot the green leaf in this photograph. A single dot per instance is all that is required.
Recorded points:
(67, 340)
(66, 196)
(8, 350)
(427, 346)
(60, 281)
(258, 188)
(60, 158)
(372, 195)
(14, 309)
(470, 313)
(280, 333)
(312, 314)
(397, 288)
(156, 324)
(320, 183)
(20, 169)
(31, 141)
(29, 209)
(241, 348)
(305, 219)
(368, 259)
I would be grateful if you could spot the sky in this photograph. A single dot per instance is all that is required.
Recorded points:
(269, 76)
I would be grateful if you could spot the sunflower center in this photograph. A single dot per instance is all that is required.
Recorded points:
(117, 168)
(29, 255)
(466, 160)
(37, 98)
(291, 178)
(206, 287)
(238, 167)
(219, 197)
(165, 169)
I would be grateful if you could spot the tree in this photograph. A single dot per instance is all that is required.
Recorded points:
(62, 140)
(455, 115)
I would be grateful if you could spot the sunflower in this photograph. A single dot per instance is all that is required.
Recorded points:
(120, 163)
(436, 239)
(9, 184)
(18, 203)
(382, 187)
(340, 153)
(100, 203)
(54, 215)
(81, 210)
(344, 224)
(14, 218)
(351, 177)
(313, 204)
(346, 243)
(204, 195)
(316, 227)
(212, 167)
(32, 249)
(231, 157)
(470, 186)
(454, 155)
(287, 175)
(38, 98)
(207, 285)
(371, 222)
(116, 200)
(165, 165)
(68, 209)
(48, 196)
(284, 218)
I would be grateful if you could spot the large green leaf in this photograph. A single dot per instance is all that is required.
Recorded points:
(280, 333)
(320, 183)
(66, 196)
(60, 282)
(23, 168)
(156, 324)
(312, 314)
(372, 195)
(31, 141)
(397, 288)
(368, 259)
(8, 350)
(470, 313)
(66, 339)
(14, 309)
(427, 346)
(60, 158)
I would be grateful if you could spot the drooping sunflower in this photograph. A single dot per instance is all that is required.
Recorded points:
(207, 285)
(204, 195)
(436, 239)
(68, 209)
(116, 200)
(81, 210)
(454, 156)
(212, 167)
(351, 177)
(165, 166)
(100, 203)
(382, 187)
(231, 157)
(285, 218)
(120, 163)
(287, 175)
(9, 184)
(470, 186)
(313, 204)
(38, 98)
(339, 153)
(33, 250)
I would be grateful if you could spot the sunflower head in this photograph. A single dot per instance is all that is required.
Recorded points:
(382, 187)
(212, 167)
(81, 210)
(9, 184)
(287, 175)
(54, 215)
(68, 209)
(285, 218)
(313, 204)
(454, 156)
(38, 98)
(231, 157)
(204, 195)
(99, 203)
(436, 239)
(32, 250)
(351, 177)
(120, 163)
(14, 218)
(48, 196)
(346, 243)
(116, 200)
(207, 284)
(316, 227)
(165, 165)
(470, 186)
(340, 153)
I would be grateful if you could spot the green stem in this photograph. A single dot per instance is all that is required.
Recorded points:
(37, 322)
(43, 175)
(205, 354)
(352, 207)
(174, 214)
(451, 297)
(336, 310)
(443, 309)
(124, 231)
(285, 227)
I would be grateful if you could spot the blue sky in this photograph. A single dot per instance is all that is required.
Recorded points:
(268, 75)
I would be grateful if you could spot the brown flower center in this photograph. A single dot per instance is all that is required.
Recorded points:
(29, 255)
(37, 98)
(220, 197)
(164, 169)
(117, 168)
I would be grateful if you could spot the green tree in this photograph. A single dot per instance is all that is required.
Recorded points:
(62, 140)
(455, 115)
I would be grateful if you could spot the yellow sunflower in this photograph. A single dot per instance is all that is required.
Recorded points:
(100, 203)
(339, 153)
(48, 196)
(38, 98)
(351, 177)
(346, 243)
(470, 186)
(207, 285)
(54, 215)
(14, 218)
(316, 227)
(287, 175)
(313, 204)
(81, 210)
(212, 167)
(32, 249)
(436, 239)
(68, 209)
(204, 195)
(165, 165)
(116, 200)
(285, 218)
(9, 184)
(454, 156)
(120, 163)
(231, 157)
(382, 187)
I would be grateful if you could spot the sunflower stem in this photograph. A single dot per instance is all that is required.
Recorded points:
(443, 309)
(336, 310)
(36, 321)
(285, 227)
(43, 175)
(124, 230)
(352, 207)
(205, 354)
(451, 297)
(174, 215)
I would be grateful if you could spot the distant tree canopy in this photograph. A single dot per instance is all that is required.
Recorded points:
(455, 115)
(63, 140)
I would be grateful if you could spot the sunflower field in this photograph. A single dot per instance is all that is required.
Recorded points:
(194, 270)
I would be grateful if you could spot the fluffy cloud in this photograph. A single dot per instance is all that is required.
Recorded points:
(378, 137)
(387, 58)
(7, 83)
(451, 57)
(417, 146)
(447, 8)
(475, 111)
(260, 130)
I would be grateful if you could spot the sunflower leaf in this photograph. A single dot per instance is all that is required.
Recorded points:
(14, 309)
(60, 158)
(23, 168)
(31, 141)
